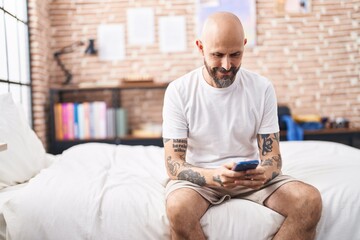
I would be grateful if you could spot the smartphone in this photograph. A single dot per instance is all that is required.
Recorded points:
(246, 165)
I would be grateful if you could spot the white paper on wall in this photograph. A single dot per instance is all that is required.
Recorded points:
(140, 26)
(111, 39)
(172, 34)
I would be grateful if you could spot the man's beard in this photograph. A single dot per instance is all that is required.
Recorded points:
(224, 81)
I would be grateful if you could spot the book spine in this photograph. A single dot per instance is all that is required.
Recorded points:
(110, 120)
(81, 119)
(65, 121)
(70, 110)
(86, 107)
(102, 119)
(92, 119)
(121, 122)
(76, 121)
(58, 121)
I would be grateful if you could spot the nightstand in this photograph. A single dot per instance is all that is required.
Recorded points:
(3, 146)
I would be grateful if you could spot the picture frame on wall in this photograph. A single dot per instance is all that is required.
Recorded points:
(244, 9)
(292, 6)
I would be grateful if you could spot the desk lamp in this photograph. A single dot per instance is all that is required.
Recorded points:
(90, 50)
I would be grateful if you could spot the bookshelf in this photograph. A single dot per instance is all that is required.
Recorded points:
(77, 98)
(348, 136)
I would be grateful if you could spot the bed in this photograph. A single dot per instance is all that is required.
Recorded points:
(104, 191)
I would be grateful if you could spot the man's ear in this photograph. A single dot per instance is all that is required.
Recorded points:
(245, 41)
(200, 46)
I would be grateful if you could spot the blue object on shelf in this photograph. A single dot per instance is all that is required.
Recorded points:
(294, 131)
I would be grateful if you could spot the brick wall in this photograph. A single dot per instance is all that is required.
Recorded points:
(312, 59)
(40, 53)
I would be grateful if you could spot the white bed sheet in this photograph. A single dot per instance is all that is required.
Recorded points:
(5, 195)
(101, 191)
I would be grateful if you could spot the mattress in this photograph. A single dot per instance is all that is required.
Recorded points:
(102, 191)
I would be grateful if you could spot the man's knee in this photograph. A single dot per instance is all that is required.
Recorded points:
(314, 202)
(307, 202)
(185, 206)
(179, 207)
(174, 209)
(297, 199)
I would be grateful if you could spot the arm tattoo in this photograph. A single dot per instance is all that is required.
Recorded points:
(182, 156)
(274, 159)
(267, 162)
(173, 166)
(218, 180)
(266, 143)
(192, 176)
(278, 161)
(180, 145)
(270, 162)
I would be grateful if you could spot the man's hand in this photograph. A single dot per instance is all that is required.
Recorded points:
(227, 178)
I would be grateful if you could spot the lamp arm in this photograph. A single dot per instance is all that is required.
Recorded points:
(67, 73)
(64, 50)
(70, 48)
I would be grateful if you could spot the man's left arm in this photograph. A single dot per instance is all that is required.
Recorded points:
(269, 151)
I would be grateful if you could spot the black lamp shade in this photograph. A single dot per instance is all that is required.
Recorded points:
(91, 48)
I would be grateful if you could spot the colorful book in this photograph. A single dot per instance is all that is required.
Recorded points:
(65, 122)
(76, 121)
(81, 119)
(86, 109)
(70, 119)
(110, 123)
(121, 122)
(58, 121)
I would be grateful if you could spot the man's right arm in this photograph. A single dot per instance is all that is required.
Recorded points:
(179, 169)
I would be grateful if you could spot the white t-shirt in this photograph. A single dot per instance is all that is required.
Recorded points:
(221, 124)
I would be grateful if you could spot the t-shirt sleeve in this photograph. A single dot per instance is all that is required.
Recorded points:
(269, 122)
(174, 121)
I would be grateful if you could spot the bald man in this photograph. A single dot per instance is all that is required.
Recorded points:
(220, 114)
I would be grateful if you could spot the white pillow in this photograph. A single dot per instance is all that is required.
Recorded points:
(25, 155)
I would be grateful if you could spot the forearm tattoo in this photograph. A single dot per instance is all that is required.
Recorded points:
(266, 142)
(192, 176)
(277, 159)
(179, 146)
(173, 166)
(218, 180)
(179, 167)
(274, 160)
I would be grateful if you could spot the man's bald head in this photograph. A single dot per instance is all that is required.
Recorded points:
(222, 27)
(222, 46)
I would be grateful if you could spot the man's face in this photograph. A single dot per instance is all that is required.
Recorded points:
(222, 62)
